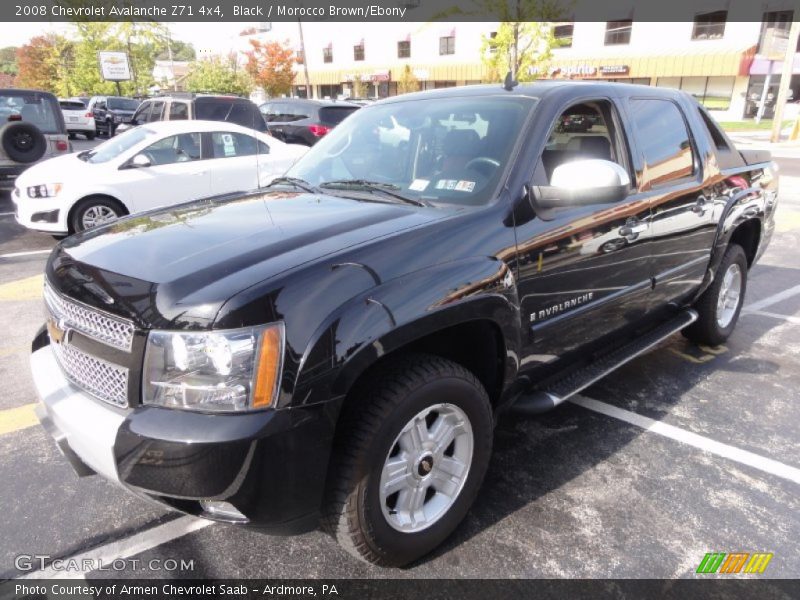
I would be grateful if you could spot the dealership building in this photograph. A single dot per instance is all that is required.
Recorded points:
(724, 59)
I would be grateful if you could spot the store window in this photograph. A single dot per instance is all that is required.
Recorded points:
(776, 19)
(663, 139)
(618, 32)
(358, 51)
(447, 45)
(403, 49)
(327, 54)
(563, 35)
(714, 93)
(443, 84)
(710, 26)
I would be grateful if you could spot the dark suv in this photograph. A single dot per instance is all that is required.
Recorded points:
(111, 111)
(336, 348)
(231, 109)
(299, 121)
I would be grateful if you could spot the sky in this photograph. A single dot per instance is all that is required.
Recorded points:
(201, 35)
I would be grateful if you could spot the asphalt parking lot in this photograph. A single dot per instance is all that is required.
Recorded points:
(684, 451)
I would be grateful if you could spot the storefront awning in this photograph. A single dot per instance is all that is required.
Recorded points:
(613, 62)
(761, 66)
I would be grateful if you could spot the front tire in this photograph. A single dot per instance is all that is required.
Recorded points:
(410, 454)
(93, 211)
(719, 306)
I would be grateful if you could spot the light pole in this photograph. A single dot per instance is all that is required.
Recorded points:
(309, 92)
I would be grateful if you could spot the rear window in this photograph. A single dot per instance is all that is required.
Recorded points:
(333, 115)
(122, 104)
(33, 107)
(230, 110)
(70, 105)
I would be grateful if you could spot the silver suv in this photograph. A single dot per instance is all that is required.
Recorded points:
(32, 129)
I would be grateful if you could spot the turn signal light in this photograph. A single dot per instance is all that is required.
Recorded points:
(318, 130)
(89, 115)
(268, 367)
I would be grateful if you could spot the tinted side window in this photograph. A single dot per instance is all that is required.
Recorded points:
(173, 149)
(158, 111)
(663, 140)
(178, 111)
(230, 145)
(142, 113)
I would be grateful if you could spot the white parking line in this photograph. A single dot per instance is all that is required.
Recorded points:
(30, 252)
(764, 313)
(687, 437)
(124, 548)
(775, 298)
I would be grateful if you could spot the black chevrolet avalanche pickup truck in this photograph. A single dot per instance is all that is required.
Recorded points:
(334, 349)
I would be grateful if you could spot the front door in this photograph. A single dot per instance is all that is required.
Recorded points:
(583, 271)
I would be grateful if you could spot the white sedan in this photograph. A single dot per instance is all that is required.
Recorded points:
(153, 165)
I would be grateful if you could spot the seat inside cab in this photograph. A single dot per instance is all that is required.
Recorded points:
(581, 132)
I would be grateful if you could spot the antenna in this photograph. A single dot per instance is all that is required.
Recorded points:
(510, 83)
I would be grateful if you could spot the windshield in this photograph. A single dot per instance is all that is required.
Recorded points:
(33, 107)
(112, 148)
(451, 150)
(123, 104)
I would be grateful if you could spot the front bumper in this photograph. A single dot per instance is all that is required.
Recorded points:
(269, 465)
(42, 214)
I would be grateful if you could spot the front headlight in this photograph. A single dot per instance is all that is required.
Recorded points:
(231, 370)
(45, 190)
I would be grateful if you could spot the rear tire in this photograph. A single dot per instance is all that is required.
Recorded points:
(422, 425)
(719, 306)
(94, 211)
(90, 135)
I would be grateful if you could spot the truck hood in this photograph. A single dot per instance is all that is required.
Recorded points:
(187, 261)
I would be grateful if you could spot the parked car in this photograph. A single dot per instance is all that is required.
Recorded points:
(32, 129)
(229, 109)
(337, 349)
(301, 121)
(110, 112)
(159, 164)
(78, 118)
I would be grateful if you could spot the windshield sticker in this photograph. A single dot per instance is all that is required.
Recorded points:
(465, 186)
(419, 185)
(446, 184)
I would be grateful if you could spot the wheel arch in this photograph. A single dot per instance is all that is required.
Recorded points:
(83, 199)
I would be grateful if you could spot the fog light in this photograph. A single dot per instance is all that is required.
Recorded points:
(222, 510)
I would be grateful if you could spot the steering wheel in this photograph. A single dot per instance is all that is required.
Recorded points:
(483, 160)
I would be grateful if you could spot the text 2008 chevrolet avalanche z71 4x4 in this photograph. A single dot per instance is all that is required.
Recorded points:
(335, 348)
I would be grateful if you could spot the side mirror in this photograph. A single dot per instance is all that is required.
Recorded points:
(139, 161)
(583, 182)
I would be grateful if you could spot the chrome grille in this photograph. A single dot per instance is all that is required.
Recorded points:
(106, 381)
(104, 328)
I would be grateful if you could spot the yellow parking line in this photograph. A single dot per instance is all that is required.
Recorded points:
(29, 288)
(14, 419)
(787, 220)
(12, 350)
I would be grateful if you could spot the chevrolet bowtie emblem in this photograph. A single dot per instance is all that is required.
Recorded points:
(59, 332)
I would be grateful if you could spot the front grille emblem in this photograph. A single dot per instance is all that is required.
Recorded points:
(59, 332)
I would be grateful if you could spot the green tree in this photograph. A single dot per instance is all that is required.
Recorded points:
(521, 48)
(220, 75)
(84, 76)
(408, 82)
(8, 60)
(181, 51)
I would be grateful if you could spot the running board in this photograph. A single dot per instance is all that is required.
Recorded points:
(547, 398)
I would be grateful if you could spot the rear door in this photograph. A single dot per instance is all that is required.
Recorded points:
(583, 271)
(234, 162)
(683, 225)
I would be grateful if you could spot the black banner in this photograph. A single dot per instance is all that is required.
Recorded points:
(378, 10)
(401, 589)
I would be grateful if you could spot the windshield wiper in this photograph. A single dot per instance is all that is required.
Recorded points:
(374, 186)
(296, 182)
